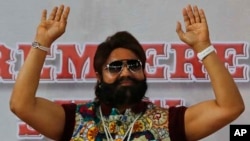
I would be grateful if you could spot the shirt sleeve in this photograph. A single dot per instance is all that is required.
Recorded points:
(176, 123)
(69, 110)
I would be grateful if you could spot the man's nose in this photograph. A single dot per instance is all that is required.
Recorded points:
(125, 71)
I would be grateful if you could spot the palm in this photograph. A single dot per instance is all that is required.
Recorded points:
(196, 34)
(53, 27)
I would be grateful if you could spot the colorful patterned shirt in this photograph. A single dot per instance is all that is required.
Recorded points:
(143, 122)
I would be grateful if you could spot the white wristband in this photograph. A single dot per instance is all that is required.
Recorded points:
(38, 45)
(201, 55)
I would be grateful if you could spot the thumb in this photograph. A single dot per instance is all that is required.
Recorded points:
(179, 31)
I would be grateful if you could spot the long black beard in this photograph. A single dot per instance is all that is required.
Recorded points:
(115, 95)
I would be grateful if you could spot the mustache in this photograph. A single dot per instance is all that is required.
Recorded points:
(120, 80)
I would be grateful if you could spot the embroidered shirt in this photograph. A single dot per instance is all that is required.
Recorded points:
(84, 123)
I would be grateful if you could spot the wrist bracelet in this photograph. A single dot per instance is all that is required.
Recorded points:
(201, 55)
(39, 46)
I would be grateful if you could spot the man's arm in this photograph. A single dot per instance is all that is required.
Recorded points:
(209, 116)
(43, 115)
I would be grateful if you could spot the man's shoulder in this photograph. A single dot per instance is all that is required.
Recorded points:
(152, 108)
(159, 109)
(80, 107)
(86, 106)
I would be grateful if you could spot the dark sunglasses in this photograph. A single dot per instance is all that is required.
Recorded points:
(116, 67)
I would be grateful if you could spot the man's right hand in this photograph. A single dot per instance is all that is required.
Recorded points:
(52, 27)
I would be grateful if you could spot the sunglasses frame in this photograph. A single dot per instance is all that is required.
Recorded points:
(124, 64)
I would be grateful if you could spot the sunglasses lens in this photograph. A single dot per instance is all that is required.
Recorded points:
(134, 65)
(115, 67)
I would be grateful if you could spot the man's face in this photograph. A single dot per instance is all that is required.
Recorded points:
(123, 81)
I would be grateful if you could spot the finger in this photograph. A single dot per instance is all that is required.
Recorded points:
(179, 30)
(185, 17)
(65, 15)
(53, 13)
(197, 15)
(202, 16)
(190, 14)
(59, 13)
(44, 15)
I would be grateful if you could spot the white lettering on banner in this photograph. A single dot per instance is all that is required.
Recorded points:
(26, 132)
(170, 62)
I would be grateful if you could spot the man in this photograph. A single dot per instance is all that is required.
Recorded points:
(120, 111)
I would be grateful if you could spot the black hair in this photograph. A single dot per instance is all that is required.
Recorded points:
(121, 39)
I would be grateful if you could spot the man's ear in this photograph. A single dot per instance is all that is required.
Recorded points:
(98, 76)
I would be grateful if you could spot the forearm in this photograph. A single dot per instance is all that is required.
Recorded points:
(28, 79)
(226, 91)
